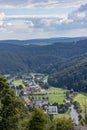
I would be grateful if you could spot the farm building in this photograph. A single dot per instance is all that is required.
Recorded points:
(52, 110)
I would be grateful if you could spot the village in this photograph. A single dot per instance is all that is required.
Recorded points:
(32, 88)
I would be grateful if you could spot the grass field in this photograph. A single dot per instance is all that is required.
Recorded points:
(54, 94)
(18, 82)
(7, 75)
(58, 98)
(55, 90)
(67, 115)
(82, 99)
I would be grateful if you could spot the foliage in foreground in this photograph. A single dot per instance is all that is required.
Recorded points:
(13, 114)
(11, 107)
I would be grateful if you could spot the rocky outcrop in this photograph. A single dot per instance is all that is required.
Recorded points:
(80, 128)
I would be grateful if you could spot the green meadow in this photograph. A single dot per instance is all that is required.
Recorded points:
(18, 82)
(67, 115)
(82, 99)
(54, 94)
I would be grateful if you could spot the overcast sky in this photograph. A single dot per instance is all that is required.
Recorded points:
(30, 19)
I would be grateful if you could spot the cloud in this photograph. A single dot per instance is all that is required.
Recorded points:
(2, 16)
(36, 26)
(80, 14)
(83, 8)
(11, 3)
(29, 24)
(41, 3)
(39, 21)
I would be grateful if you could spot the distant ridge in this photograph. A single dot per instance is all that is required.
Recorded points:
(43, 41)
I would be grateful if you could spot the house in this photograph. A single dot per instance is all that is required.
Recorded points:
(38, 76)
(27, 77)
(35, 88)
(38, 103)
(67, 101)
(41, 103)
(45, 102)
(52, 110)
(25, 91)
(27, 102)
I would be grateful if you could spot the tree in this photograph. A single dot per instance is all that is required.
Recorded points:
(77, 106)
(39, 120)
(63, 123)
(12, 107)
(84, 118)
(67, 94)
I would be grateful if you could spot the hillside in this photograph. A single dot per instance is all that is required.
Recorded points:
(72, 74)
(24, 58)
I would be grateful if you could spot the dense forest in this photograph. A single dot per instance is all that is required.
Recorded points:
(72, 75)
(23, 58)
(65, 62)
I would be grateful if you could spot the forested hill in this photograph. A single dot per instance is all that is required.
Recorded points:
(72, 75)
(24, 58)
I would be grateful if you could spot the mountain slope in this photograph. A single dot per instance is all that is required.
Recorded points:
(73, 74)
(24, 58)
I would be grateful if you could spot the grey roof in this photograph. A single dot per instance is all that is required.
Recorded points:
(52, 110)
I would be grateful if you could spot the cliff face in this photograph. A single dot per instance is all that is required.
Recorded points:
(80, 128)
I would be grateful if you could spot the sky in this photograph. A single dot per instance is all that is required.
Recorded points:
(31, 19)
